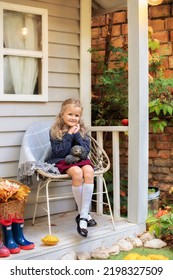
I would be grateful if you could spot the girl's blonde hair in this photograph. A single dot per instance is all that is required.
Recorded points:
(59, 128)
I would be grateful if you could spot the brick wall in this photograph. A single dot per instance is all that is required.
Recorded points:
(161, 159)
(160, 144)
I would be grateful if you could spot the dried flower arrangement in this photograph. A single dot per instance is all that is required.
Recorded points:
(12, 190)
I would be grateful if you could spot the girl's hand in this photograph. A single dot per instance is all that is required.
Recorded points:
(74, 129)
(77, 128)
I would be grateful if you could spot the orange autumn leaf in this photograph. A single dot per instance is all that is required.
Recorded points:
(161, 212)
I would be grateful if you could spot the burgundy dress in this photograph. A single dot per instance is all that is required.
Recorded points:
(63, 166)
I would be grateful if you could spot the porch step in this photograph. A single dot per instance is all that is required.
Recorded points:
(64, 227)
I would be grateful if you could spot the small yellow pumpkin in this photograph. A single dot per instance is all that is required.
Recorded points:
(50, 240)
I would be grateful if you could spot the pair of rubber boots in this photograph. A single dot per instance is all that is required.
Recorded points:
(13, 236)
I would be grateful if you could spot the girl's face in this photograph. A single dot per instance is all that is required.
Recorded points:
(71, 116)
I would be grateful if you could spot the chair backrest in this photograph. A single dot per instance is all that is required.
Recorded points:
(99, 157)
(35, 148)
(36, 142)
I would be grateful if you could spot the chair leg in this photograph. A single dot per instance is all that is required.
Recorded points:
(48, 207)
(109, 204)
(40, 186)
(107, 197)
(36, 203)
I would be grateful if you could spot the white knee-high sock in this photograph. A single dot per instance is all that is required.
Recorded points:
(87, 193)
(77, 192)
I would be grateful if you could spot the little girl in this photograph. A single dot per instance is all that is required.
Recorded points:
(68, 131)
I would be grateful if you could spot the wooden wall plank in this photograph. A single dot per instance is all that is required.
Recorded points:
(63, 80)
(63, 51)
(62, 93)
(65, 38)
(68, 3)
(58, 24)
(21, 124)
(63, 65)
(10, 139)
(8, 170)
(55, 207)
(29, 109)
(9, 154)
(61, 11)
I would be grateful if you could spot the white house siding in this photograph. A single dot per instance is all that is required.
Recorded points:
(63, 82)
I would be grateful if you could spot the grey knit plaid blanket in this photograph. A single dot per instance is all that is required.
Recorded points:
(35, 150)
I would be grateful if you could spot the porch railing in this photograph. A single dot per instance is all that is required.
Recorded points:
(115, 132)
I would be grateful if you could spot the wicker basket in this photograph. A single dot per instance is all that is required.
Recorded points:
(13, 208)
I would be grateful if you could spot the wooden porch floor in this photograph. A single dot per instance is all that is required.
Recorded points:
(64, 227)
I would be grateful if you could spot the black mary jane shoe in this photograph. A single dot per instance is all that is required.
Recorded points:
(82, 231)
(90, 223)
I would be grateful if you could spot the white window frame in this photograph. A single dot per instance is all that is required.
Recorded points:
(43, 54)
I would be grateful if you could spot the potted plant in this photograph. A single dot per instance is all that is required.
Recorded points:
(153, 192)
(153, 198)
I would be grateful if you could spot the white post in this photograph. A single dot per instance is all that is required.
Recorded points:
(85, 59)
(99, 180)
(138, 110)
(116, 174)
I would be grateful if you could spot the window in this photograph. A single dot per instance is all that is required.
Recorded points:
(23, 53)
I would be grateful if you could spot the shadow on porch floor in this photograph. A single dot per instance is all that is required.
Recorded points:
(64, 227)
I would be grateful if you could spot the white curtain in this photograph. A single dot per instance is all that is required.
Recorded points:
(20, 73)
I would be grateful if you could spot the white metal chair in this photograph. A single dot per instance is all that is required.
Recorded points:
(101, 164)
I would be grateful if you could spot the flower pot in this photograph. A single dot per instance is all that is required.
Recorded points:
(153, 198)
(153, 193)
